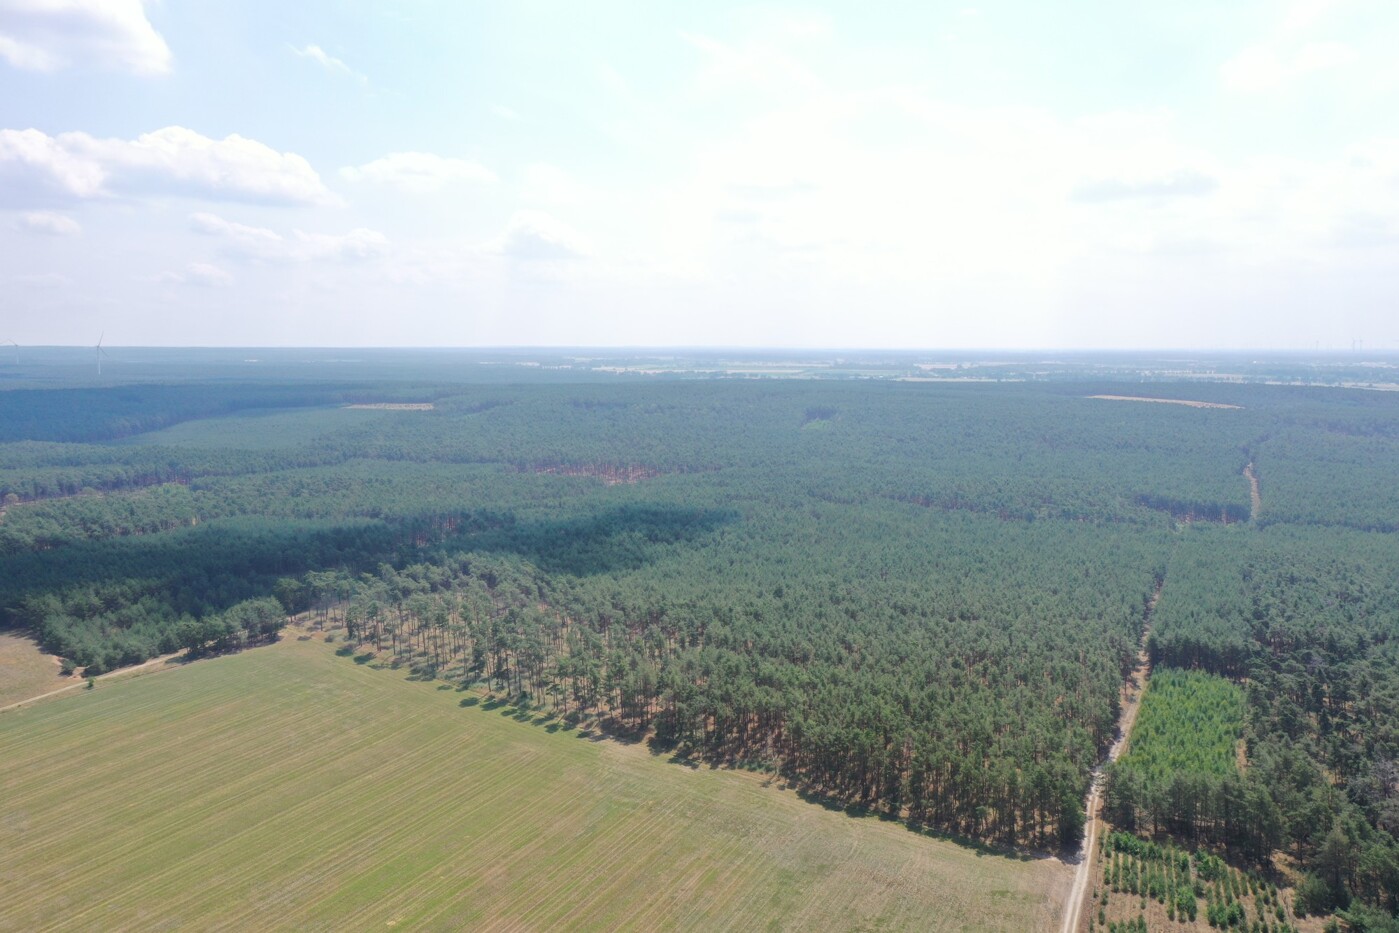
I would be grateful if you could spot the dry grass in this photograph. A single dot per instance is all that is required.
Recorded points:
(287, 787)
(25, 670)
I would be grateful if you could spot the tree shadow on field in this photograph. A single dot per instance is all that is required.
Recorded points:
(980, 847)
(623, 538)
(605, 730)
(862, 812)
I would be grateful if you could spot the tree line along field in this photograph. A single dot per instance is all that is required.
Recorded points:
(288, 787)
(916, 600)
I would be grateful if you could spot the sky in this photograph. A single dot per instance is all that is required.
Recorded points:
(1011, 174)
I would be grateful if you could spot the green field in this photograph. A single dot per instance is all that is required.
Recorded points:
(288, 787)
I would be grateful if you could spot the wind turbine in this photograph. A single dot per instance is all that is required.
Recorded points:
(100, 352)
(16, 346)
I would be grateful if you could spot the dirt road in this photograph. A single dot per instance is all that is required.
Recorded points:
(80, 683)
(1074, 910)
(1254, 496)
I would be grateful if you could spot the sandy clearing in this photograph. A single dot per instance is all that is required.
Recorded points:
(393, 406)
(1167, 401)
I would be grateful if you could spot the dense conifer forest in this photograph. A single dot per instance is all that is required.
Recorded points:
(920, 599)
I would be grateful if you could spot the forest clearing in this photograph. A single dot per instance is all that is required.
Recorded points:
(288, 786)
(1189, 403)
(392, 406)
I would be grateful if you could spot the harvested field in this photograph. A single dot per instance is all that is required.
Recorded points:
(1167, 401)
(289, 787)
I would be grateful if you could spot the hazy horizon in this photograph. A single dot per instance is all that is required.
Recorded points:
(1351, 353)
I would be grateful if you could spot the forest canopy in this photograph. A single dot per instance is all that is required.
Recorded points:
(920, 599)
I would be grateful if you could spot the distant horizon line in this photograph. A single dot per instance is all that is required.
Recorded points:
(722, 348)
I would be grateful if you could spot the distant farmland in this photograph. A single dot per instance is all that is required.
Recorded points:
(287, 787)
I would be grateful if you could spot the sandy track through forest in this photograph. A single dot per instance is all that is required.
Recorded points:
(1255, 497)
(1074, 909)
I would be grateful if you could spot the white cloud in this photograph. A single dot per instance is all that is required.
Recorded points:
(38, 168)
(533, 236)
(758, 65)
(243, 241)
(357, 245)
(1289, 52)
(47, 222)
(41, 280)
(1264, 68)
(329, 62)
(49, 35)
(976, 208)
(541, 183)
(203, 274)
(209, 276)
(1304, 14)
(214, 225)
(1180, 183)
(418, 172)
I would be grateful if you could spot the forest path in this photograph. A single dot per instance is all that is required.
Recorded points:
(81, 683)
(1132, 690)
(1254, 496)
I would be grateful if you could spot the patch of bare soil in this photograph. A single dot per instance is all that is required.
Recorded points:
(393, 406)
(1167, 401)
(610, 474)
